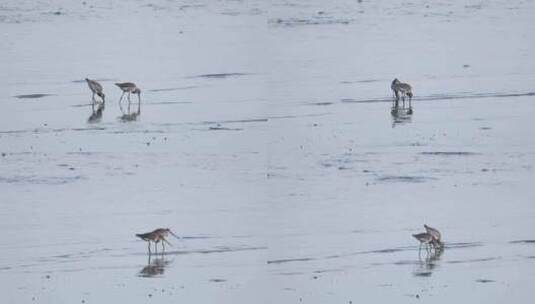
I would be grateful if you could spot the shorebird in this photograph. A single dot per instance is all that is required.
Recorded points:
(435, 234)
(424, 238)
(130, 88)
(96, 88)
(157, 236)
(404, 88)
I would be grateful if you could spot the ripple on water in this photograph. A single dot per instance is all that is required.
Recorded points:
(316, 20)
(405, 179)
(32, 96)
(221, 75)
(523, 242)
(40, 180)
(450, 153)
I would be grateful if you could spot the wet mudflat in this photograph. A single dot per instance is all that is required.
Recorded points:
(268, 140)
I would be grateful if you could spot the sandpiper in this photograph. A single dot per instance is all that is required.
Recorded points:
(435, 234)
(404, 88)
(156, 236)
(130, 88)
(424, 238)
(96, 88)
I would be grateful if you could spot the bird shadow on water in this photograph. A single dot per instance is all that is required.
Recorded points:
(400, 115)
(155, 266)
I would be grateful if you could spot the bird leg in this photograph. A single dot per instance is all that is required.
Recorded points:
(138, 103)
(120, 105)
(149, 248)
(129, 102)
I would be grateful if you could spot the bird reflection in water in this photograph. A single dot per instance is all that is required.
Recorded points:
(400, 114)
(96, 115)
(428, 262)
(130, 115)
(155, 266)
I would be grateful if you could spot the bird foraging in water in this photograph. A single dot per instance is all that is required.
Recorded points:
(404, 88)
(130, 88)
(96, 88)
(424, 238)
(431, 238)
(435, 234)
(157, 236)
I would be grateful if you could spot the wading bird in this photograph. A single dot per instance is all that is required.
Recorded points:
(130, 88)
(435, 234)
(96, 88)
(424, 238)
(157, 236)
(404, 88)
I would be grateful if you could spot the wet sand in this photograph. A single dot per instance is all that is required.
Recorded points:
(267, 139)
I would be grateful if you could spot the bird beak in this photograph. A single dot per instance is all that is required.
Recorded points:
(179, 238)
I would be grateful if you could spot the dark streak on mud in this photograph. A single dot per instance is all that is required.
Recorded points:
(423, 274)
(320, 103)
(220, 75)
(40, 180)
(523, 242)
(405, 179)
(443, 153)
(473, 260)
(281, 261)
(32, 96)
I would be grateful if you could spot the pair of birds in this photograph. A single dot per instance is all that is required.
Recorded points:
(126, 87)
(157, 236)
(404, 89)
(431, 237)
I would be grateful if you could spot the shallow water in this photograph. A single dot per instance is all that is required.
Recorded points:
(267, 139)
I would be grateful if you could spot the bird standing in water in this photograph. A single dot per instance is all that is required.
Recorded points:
(431, 238)
(424, 238)
(96, 88)
(404, 88)
(130, 88)
(157, 236)
(435, 234)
